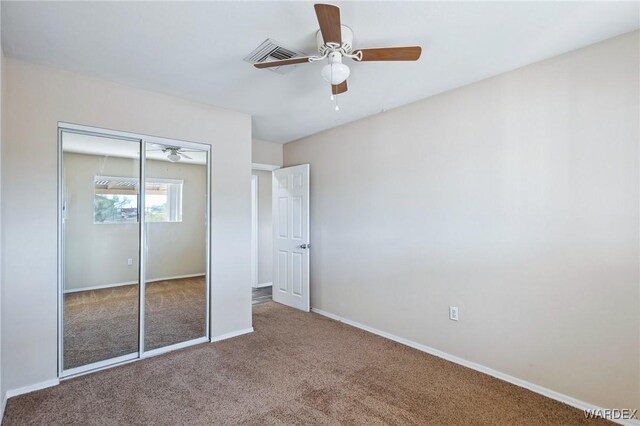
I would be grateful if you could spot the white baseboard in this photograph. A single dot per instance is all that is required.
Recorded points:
(31, 388)
(100, 287)
(264, 285)
(581, 405)
(232, 334)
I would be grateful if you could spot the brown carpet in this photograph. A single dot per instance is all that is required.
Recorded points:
(103, 324)
(296, 368)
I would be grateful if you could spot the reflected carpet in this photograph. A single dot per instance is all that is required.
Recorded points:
(103, 324)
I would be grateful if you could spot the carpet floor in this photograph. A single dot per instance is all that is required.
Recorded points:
(103, 324)
(296, 368)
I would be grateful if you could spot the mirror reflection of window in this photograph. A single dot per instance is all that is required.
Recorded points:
(116, 200)
(163, 200)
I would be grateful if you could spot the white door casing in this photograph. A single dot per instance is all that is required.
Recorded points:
(291, 244)
(254, 231)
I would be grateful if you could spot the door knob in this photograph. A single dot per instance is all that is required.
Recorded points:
(305, 246)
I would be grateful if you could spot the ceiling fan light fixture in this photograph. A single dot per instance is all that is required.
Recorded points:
(334, 42)
(335, 73)
(173, 157)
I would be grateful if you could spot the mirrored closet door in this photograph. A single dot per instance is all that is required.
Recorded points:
(175, 205)
(100, 300)
(133, 247)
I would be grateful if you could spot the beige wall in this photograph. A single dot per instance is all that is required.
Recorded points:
(265, 228)
(516, 199)
(263, 152)
(36, 99)
(97, 254)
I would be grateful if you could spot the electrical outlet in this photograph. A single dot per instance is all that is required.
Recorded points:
(453, 313)
(129, 261)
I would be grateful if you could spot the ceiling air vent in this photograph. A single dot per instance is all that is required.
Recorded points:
(271, 50)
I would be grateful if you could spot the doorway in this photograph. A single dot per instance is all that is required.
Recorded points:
(134, 244)
(261, 236)
(281, 235)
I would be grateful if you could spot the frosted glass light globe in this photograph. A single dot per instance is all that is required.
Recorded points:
(335, 73)
(173, 157)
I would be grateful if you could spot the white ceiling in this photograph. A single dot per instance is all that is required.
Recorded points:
(195, 50)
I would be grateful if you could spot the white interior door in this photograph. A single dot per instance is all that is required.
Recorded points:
(290, 205)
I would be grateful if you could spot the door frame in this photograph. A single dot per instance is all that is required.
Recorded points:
(254, 231)
(255, 216)
(142, 139)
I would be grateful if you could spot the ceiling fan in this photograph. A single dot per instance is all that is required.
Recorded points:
(174, 153)
(335, 42)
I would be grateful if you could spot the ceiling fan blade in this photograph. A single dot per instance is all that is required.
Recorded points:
(185, 155)
(329, 20)
(406, 53)
(291, 61)
(336, 89)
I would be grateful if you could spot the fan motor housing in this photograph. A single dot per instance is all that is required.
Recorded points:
(347, 41)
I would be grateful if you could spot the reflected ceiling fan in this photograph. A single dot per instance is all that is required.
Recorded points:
(174, 153)
(335, 42)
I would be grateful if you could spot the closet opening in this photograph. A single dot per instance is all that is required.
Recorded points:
(133, 247)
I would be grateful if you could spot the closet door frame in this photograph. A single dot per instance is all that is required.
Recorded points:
(64, 127)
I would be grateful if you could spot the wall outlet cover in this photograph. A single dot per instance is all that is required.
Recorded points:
(453, 313)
